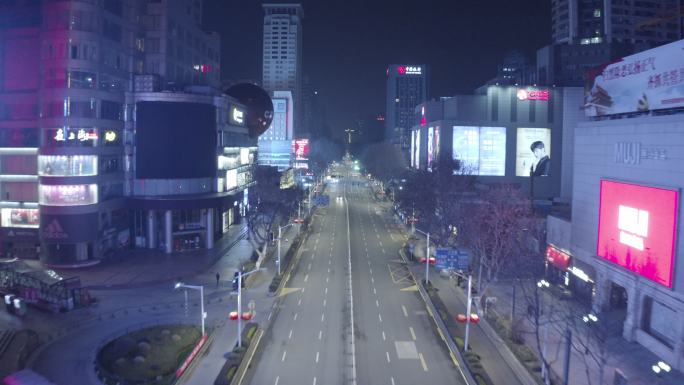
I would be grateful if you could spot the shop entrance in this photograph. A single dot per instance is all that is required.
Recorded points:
(618, 297)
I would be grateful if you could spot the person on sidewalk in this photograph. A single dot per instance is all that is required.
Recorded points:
(218, 277)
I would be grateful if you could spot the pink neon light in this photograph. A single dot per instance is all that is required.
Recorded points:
(643, 240)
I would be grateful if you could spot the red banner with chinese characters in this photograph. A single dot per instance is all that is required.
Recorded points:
(557, 258)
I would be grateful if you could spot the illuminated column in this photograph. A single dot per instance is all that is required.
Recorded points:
(151, 230)
(167, 232)
(210, 228)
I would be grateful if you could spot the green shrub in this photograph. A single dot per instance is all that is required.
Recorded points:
(459, 342)
(250, 332)
(231, 373)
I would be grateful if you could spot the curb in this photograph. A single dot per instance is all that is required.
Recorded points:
(523, 375)
(244, 365)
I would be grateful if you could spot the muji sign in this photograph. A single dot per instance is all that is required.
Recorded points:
(638, 229)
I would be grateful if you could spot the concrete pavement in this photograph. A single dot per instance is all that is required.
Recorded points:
(393, 339)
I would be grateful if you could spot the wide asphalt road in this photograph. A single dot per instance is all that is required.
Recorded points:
(350, 274)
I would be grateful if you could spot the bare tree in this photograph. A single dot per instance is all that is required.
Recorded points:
(494, 229)
(384, 160)
(272, 203)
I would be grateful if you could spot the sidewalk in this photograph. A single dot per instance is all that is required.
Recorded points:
(632, 359)
(209, 365)
(144, 267)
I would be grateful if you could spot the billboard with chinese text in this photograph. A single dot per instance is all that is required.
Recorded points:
(648, 80)
(480, 150)
(637, 229)
(301, 149)
(430, 147)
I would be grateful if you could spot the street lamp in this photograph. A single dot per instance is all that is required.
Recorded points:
(427, 255)
(180, 285)
(468, 317)
(280, 229)
(239, 301)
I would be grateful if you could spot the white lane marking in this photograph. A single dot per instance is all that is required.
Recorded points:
(375, 292)
(309, 266)
(422, 362)
(328, 270)
(277, 379)
(379, 317)
(324, 302)
(306, 277)
(388, 359)
(403, 308)
(377, 303)
(304, 289)
(383, 336)
(351, 298)
(284, 354)
(299, 303)
(383, 251)
(372, 280)
(295, 316)
(392, 380)
(314, 381)
(381, 245)
(320, 334)
(322, 317)
(317, 357)
(413, 334)
(330, 262)
(371, 271)
(326, 290)
(289, 337)
(270, 315)
(327, 279)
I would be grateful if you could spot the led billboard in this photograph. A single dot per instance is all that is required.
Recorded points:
(637, 229)
(533, 152)
(413, 148)
(430, 147)
(301, 149)
(480, 150)
(648, 80)
(416, 158)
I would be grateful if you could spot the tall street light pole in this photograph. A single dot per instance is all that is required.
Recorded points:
(181, 285)
(239, 302)
(427, 255)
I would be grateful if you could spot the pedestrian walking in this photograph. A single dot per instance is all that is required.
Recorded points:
(218, 277)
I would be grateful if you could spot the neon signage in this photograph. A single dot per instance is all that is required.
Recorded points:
(110, 136)
(410, 70)
(637, 229)
(81, 135)
(527, 94)
(237, 115)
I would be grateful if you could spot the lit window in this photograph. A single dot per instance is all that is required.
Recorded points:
(67, 195)
(597, 12)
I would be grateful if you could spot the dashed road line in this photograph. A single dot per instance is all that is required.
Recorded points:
(384, 338)
(295, 316)
(380, 317)
(284, 355)
(289, 337)
(403, 308)
(388, 358)
(413, 334)
(422, 362)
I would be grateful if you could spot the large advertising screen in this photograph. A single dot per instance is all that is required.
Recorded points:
(166, 129)
(301, 149)
(480, 150)
(637, 229)
(533, 152)
(649, 80)
(416, 157)
(430, 147)
(413, 148)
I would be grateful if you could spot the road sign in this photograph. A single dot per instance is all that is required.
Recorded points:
(450, 258)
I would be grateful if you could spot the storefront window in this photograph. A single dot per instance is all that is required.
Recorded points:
(19, 218)
(67, 165)
(81, 79)
(68, 195)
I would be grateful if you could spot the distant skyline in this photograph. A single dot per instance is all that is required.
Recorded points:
(348, 45)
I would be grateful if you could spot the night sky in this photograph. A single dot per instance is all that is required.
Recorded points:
(349, 43)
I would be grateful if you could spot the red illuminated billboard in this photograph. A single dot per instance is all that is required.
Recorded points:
(301, 149)
(637, 229)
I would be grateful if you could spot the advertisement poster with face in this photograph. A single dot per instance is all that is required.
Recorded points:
(533, 152)
(637, 229)
(430, 143)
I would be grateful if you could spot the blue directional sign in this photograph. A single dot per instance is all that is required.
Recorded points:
(450, 258)
(322, 200)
